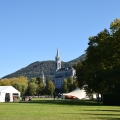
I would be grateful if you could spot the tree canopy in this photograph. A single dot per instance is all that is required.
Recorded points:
(101, 68)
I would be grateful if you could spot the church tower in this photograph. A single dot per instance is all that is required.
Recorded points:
(44, 80)
(58, 61)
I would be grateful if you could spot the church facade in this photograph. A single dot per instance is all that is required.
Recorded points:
(61, 73)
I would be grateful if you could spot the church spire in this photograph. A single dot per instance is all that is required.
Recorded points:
(57, 53)
(43, 77)
(42, 74)
(58, 61)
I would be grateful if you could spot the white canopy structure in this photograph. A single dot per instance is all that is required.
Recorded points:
(6, 91)
(80, 94)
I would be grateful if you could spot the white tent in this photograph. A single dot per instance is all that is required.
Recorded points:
(80, 94)
(7, 90)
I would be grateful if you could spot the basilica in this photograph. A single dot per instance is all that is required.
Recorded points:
(61, 73)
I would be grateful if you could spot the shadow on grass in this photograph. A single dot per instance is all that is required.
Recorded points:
(66, 102)
(105, 110)
(106, 118)
(99, 116)
(95, 114)
(113, 119)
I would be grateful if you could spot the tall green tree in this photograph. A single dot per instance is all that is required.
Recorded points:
(50, 87)
(75, 84)
(40, 89)
(5, 82)
(70, 83)
(20, 87)
(103, 59)
(31, 90)
(24, 88)
(65, 86)
(98, 62)
(80, 73)
(33, 80)
(39, 80)
(47, 79)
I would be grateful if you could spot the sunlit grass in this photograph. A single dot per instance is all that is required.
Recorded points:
(48, 109)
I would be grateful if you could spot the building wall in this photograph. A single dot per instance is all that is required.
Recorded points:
(61, 74)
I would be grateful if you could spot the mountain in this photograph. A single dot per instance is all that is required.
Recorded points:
(48, 67)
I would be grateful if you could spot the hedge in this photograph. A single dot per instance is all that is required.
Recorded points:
(111, 99)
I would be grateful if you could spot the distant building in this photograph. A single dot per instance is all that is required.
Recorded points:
(44, 79)
(61, 73)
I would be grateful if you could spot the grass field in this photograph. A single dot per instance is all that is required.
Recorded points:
(48, 109)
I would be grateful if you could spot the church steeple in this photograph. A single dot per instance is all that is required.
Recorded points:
(43, 77)
(58, 61)
(57, 53)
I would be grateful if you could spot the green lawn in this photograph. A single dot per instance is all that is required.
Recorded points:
(48, 109)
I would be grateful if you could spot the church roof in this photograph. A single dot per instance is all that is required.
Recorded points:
(65, 69)
(8, 89)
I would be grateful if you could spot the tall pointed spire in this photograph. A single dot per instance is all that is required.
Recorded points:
(57, 53)
(43, 77)
(58, 61)
(42, 74)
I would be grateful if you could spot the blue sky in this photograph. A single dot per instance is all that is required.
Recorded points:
(31, 30)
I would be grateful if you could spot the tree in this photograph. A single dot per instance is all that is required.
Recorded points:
(5, 82)
(20, 79)
(65, 86)
(39, 80)
(115, 35)
(75, 84)
(31, 90)
(20, 87)
(24, 88)
(47, 79)
(33, 80)
(50, 87)
(102, 63)
(80, 73)
(40, 88)
(115, 25)
(70, 83)
(97, 62)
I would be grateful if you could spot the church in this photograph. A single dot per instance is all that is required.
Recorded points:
(44, 79)
(61, 73)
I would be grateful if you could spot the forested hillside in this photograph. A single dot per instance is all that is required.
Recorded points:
(48, 67)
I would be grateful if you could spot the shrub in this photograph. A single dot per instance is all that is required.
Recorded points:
(111, 99)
